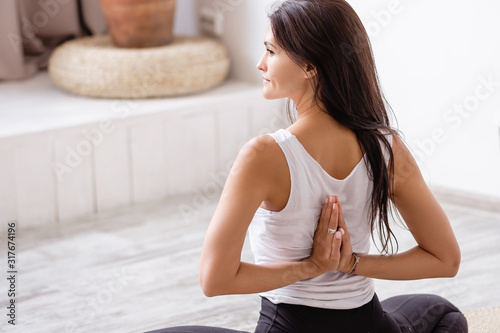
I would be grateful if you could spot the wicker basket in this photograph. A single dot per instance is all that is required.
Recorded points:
(94, 67)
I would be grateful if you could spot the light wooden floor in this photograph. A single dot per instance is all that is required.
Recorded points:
(137, 269)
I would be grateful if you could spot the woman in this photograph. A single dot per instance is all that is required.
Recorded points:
(311, 195)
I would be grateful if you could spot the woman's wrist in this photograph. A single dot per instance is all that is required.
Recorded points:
(356, 258)
(352, 263)
(311, 269)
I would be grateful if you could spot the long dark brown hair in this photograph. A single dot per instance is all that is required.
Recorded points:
(328, 36)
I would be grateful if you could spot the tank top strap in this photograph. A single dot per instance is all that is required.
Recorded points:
(292, 151)
(281, 135)
(299, 175)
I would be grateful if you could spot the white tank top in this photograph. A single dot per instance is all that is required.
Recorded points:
(287, 235)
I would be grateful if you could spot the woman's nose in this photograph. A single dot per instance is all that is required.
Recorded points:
(261, 64)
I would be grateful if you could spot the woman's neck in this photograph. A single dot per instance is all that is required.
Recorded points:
(315, 115)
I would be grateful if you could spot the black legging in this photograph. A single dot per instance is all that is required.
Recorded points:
(406, 313)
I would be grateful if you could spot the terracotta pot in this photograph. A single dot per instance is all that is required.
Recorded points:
(139, 23)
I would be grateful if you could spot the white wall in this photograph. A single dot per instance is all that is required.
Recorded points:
(433, 58)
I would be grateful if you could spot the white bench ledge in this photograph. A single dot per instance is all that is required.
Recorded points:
(37, 105)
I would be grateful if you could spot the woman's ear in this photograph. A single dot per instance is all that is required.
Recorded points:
(310, 71)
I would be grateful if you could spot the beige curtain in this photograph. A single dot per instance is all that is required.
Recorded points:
(31, 29)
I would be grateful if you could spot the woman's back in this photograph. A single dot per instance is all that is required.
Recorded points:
(287, 235)
(334, 147)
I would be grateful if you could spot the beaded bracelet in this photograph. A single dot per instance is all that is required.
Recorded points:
(353, 269)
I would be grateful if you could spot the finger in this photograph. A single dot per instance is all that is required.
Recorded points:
(342, 223)
(323, 210)
(325, 216)
(323, 207)
(336, 247)
(334, 217)
(346, 249)
(346, 243)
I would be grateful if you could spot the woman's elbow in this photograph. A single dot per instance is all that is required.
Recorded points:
(452, 264)
(208, 288)
(209, 292)
(210, 284)
(455, 266)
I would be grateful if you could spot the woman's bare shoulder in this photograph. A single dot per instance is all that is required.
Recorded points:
(260, 147)
(260, 157)
(256, 172)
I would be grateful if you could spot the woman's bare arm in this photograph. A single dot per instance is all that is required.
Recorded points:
(437, 253)
(248, 185)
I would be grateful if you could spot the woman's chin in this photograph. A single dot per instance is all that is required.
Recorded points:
(269, 95)
(266, 96)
